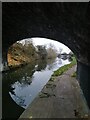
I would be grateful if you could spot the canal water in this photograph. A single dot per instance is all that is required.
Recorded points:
(21, 86)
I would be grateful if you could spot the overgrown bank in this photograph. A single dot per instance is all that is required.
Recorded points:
(64, 68)
(21, 54)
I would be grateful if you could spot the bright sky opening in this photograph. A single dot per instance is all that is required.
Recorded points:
(45, 41)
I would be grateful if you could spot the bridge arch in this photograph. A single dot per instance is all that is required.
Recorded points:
(67, 23)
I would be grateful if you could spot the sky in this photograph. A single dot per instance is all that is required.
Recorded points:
(45, 41)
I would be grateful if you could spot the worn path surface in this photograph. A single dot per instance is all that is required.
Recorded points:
(61, 98)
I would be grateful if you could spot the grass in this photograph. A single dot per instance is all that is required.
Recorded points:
(56, 73)
(64, 68)
(74, 74)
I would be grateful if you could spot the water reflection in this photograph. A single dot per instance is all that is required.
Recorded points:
(24, 84)
(41, 65)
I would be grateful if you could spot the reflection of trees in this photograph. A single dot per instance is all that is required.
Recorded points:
(64, 57)
(26, 79)
(18, 99)
(11, 89)
(50, 63)
(9, 108)
(22, 75)
(70, 58)
(17, 75)
(41, 65)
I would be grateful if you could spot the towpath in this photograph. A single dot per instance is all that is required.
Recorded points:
(61, 98)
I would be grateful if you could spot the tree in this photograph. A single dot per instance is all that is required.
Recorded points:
(59, 54)
(42, 51)
(51, 52)
(29, 48)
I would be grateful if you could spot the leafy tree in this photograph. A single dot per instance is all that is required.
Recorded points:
(29, 48)
(42, 51)
(51, 52)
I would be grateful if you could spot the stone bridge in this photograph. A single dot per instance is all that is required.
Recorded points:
(68, 23)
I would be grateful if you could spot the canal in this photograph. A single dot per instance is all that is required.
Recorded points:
(21, 86)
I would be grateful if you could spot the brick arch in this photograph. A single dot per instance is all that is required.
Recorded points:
(67, 23)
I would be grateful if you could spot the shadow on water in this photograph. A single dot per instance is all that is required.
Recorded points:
(11, 109)
(21, 86)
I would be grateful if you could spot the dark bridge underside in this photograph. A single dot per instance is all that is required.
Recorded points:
(68, 23)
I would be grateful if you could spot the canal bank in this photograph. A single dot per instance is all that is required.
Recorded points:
(61, 98)
(22, 85)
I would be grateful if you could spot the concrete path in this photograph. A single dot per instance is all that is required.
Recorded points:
(62, 98)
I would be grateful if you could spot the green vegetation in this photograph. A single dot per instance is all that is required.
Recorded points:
(46, 95)
(41, 51)
(58, 72)
(64, 68)
(21, 54)
(51, 52)
(74, 74)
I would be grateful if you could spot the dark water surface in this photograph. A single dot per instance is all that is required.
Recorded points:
(21, 86)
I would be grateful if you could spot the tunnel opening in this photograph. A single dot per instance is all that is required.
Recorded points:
(66, 22)
(18, 56)
(37, 48)
(80, 65)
